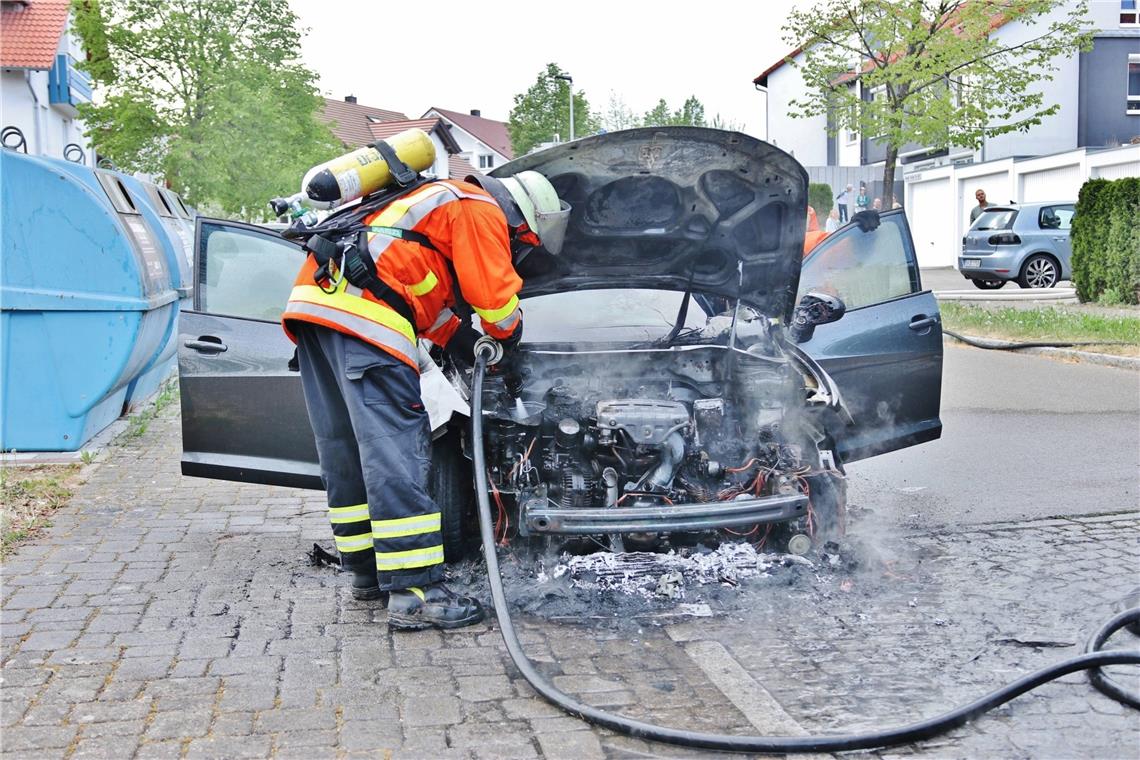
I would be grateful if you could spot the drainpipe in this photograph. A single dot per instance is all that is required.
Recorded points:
(36, 100)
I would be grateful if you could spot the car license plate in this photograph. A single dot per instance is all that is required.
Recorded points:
(973, 263)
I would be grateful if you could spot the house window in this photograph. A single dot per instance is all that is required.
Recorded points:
(1133, 83)
(486, 162)
(1128, 13)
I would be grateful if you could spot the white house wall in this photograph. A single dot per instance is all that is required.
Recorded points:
(806, 139)
(470, 147)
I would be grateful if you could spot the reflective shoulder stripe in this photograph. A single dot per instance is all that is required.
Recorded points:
(496, 315)
(359, 306)
(424, 286)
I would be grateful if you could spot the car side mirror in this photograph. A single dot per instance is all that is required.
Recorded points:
(814, 308)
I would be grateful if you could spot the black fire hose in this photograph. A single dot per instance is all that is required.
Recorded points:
(925, 729)
(1010, 346)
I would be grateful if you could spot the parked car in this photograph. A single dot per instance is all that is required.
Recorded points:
(1028, 243)
(683, 374)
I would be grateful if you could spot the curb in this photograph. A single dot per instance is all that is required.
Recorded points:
(1072, 354)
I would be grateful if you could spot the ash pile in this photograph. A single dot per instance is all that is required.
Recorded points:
(667, 576)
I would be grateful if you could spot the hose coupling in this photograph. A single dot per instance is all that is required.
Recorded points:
(490, 349)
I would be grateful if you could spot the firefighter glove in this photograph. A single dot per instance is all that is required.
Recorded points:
(461, 346)
(867, 220)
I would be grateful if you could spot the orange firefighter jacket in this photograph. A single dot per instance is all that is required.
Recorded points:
(814, 235)
(470, 232)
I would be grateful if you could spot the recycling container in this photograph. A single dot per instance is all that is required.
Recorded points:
(87, 301)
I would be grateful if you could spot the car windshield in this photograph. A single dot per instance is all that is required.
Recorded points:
(606, 316)
(998, 219)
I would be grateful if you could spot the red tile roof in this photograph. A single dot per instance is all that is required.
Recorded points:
(458, 168)
(30, 32)
(350, 121)
(491, 133)
(386, 129)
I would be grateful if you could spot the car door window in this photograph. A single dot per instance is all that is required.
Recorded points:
(245, 272)
(1055, 217)
(863, 268)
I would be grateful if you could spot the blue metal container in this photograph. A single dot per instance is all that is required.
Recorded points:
(87, 302)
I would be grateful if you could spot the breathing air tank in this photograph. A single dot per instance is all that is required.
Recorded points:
(364, 171)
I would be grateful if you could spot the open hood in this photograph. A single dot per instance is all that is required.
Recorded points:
(675, 208)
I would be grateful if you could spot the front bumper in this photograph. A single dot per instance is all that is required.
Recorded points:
(540, 517)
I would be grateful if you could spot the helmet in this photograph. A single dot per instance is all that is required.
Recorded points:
(529, 197)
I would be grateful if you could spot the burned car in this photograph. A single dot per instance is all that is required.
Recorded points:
(686, 371)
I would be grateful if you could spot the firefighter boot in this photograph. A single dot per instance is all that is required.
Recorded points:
(436, 605)
(364, 584)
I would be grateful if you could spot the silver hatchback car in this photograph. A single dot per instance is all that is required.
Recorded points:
(1028, 243)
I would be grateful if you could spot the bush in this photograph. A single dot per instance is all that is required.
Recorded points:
(1106, 241)
(821, 199)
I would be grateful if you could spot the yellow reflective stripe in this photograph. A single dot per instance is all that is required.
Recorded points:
(341, 515)
(349, 544)
(419, 592)
(433, 555)
(495, 315)
(361, 307)
(426, 285)
(406, 526)
(395, 210)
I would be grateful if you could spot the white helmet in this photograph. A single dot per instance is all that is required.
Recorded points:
(536, 200)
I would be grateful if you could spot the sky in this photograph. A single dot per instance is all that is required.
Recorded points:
(480, 54)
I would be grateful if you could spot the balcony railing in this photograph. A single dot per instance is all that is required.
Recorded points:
(67, 85)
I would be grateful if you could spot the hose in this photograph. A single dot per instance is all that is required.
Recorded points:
(923, 729)
(1008, 346)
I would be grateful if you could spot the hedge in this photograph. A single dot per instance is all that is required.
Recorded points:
(821, 199)
(1106, 241)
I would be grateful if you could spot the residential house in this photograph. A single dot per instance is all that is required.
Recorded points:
(484, 143)
(40, 84)
(350, 121)
(1098, 92)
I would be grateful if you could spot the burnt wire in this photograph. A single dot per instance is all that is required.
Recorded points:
(923, 729)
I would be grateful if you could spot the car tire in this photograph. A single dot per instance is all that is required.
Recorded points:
(1039, 271)
(450, 486)
(988, 284)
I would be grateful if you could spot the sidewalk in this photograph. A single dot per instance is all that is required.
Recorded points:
(171, 617)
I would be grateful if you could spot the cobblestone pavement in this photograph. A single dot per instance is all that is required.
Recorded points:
(172, 617)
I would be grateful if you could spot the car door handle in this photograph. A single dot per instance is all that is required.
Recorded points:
(206, 345)
(921, 322)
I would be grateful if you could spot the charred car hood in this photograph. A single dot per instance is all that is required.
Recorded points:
(677, 208)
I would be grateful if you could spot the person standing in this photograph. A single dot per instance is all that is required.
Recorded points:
(980, 197)
(844, 201)
(356, 335)
(862, 200)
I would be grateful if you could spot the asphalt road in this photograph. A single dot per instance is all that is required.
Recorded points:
(1023, 437)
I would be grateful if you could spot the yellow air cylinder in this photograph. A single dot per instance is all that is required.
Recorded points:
(364, 171)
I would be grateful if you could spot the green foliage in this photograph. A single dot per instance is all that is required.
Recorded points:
(690, 114)
(1075, 324)
(822, 199)
(543, 111)
(1106, 241)
(933, 73)
(208, 93)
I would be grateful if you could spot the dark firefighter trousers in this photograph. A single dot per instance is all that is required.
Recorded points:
(374, 444)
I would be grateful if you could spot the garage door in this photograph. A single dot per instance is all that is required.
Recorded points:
(1060, 184)
(1118, 171)
(930, 225)
(996, 187)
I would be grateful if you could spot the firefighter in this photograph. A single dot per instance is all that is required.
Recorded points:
(358, 360)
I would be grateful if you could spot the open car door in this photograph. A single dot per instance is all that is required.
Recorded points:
(243, 411)
(885, 353)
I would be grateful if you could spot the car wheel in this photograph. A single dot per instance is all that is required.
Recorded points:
(450, 486)
(1039, 271)
(988, 284)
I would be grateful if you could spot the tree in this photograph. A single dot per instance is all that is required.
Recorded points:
(207, 93)
(619, 115)
(543, 111)
(690, 114)
(928, 72)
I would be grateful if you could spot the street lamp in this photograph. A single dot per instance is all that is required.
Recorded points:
(570, 81)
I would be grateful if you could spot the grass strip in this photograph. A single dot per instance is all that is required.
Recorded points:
(1046, 323)
(28, 497)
